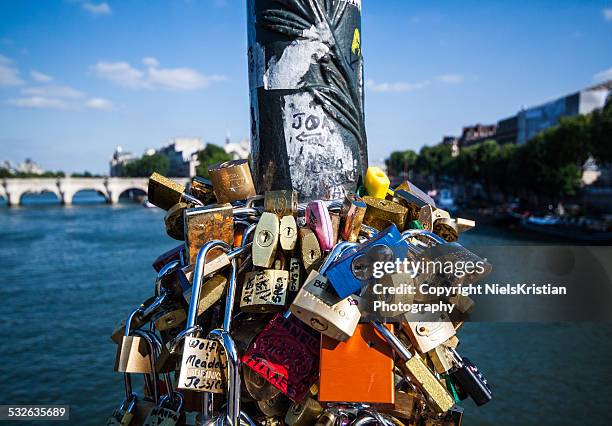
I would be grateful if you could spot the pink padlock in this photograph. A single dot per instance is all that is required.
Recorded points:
(318, 219)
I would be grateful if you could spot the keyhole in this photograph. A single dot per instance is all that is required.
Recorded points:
(265, 238)
(312, 254)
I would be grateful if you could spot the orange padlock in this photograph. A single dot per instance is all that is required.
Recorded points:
(357, 370)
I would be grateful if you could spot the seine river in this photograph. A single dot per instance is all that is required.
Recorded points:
(70, 274)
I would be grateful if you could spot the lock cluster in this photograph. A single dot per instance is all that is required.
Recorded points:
(261, 316)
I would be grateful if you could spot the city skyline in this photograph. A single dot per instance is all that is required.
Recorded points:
(78, 78)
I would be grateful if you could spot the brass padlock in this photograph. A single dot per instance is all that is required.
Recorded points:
(232, 181)
(335, 220)
(275, 406)
(164, 192)
(175, 225)
(428, 216)
(258, 387)
(303, 413)
(381, 213)
(265, 240)
(264, 291)
(133, 354)
(352, 213)
(418, 372)
(414, 190)
(310, 249)
(288, 233)
(450, 229)
(203, 224)
(170, 318)
(202, 189)
(281, 203)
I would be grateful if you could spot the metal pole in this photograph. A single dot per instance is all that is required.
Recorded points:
(306, 89)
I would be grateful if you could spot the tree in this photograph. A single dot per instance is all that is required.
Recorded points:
(146, 165)
(401, 161)
(601, 133)
(211, 154)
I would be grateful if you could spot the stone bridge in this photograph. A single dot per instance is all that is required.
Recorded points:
(111, 188)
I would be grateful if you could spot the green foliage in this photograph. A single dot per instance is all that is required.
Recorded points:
(550, 163)
(145, 166)
(401, 161)
(211, 154)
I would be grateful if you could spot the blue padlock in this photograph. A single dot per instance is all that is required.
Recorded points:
(354, 270)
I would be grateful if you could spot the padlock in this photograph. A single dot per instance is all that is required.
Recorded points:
(318, 219)
(288, 232)
(441, 358)
(133, 354)
(352, 213)
(202, 189)
(354, 270)
(427, 330)
(414, 190)
(335, 220)
(174, 222)
(232, 181)
(286, 355)
(259, 388)
(317, 306)
(346, 361)
(167, 412)
(123, 415)
(381, 213)
(303, 413)
(405, 406)
(171, 317)
(310, 249)
(203, 224)
(265, 240)
(470, 379)
(281, 203)
(274, 407)
(212, 291)
(164, 192)
(450, 229)
(264, 291)
(149, 306)
(456, 254)
(428, 215)
(175, 254)
(419, 374)
(376, 182)
(203, 366)
(294, 275)
(220, 336)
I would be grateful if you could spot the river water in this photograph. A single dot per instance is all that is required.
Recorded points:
(68, 275)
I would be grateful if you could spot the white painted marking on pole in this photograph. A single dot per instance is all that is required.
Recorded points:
(319, 160)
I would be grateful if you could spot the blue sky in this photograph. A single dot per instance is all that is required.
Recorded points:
(78, 78)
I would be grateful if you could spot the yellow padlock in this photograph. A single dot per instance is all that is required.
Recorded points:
(376, 182)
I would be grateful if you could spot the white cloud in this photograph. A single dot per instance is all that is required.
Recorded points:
(65, 92)
(603, 75)
(154, 76)
(9, 74)
(99, 103)
(150, 61)
(395, 87)
(38, 102)
(451, 78)
(97, 9)
(40, 77)
(120, 73)
(607, 13)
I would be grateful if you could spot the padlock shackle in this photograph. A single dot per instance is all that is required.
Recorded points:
(188, 197)
(414, 232)
(335, 253)
(130, 318)
(149, 310)
(153, 354)
(198, 277)
(231, 295)
(166, 376)
(392, 339)
(248, 231)
(167, 269)
(233, 373)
